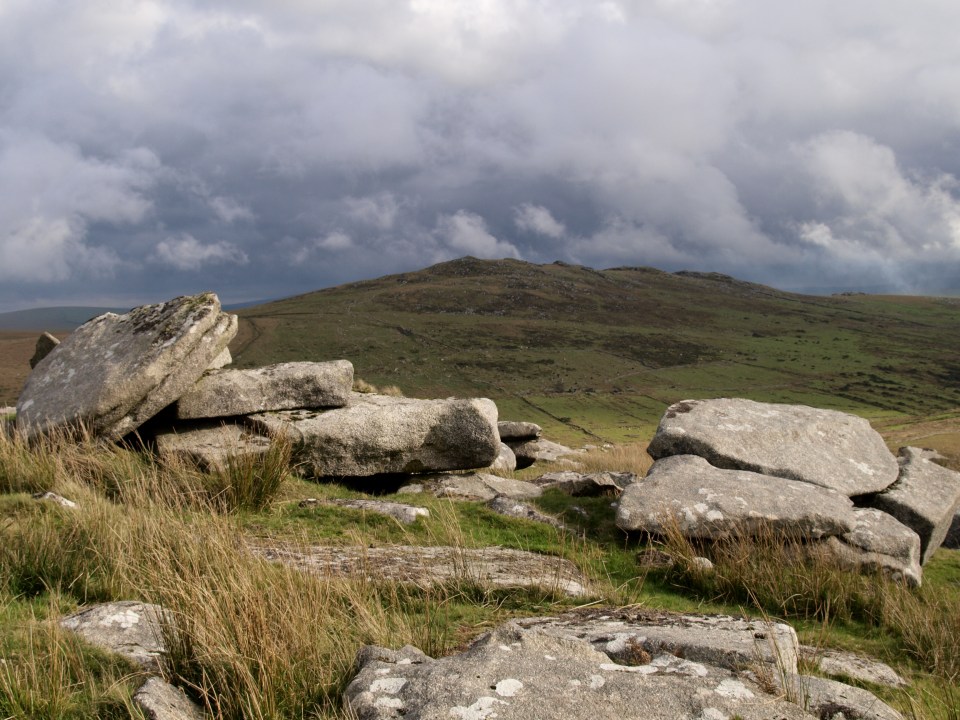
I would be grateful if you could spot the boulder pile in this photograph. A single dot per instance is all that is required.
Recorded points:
(734, 467)
(159, 371)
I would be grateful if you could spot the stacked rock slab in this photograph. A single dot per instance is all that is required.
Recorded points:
(115, 372)
(879, 541)
(212, 446)
(925, 498)
(285, 386)
(377, 434)
(708, 502)
(822, 447)
(520, 437)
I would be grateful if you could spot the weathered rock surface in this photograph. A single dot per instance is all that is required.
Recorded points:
(45, 343)
(708, 502)
(432, 565)
(523, 511)
(590, 484)
(925, 498)
(880, 542)
(540, 450)
(831, 699)
(221, 360)
(160, 700)
(377, 434)
(115, 372)
(823, 447)
(514, 673)
(852, 665)
(129, 628)
(477, 486)
(406, 514)
(211, 445)
(514, 430)
(506, 461)
(308, 385)
(721, 640)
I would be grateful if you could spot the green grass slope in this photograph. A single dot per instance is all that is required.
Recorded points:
(598, 354)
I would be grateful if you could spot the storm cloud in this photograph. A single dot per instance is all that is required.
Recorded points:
(262, 149)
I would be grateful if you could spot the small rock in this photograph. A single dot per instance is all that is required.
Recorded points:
(406, 514)
(831, 699)
(852, 665)
(506, 461)
(54, 498)
(162, 701)
(45, 343)
(129, 628)
(531, 451)
(513, 508)
(512, 430)
(478, 486)
(583, 485)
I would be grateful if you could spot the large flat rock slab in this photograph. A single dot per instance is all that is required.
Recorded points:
(722, 640)
(129, 628)
(377, 434)
(823, 447)
(925, 498)
(115, 372)
(513, 673)
(707, 502)
(426, 566)
(162, 701)
(474, 486)
(285, 386)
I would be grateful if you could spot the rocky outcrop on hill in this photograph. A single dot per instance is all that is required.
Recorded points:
(115, 372)
(734, 467)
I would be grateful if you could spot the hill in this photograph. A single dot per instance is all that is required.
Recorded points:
(52, 318)
(600, 353)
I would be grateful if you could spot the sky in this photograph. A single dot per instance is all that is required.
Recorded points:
(262, 148)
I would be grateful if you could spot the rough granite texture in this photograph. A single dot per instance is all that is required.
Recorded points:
(925, 498)
(852, 665)
(514, 673)
(835, 700)
(528, 452)
(823, 447)
(115, 372)
(129, 628)
(162, 701)
(429, 565)
(377, 434)
(477, 486)
(880, 542)
(211, 445)
(285, 386)
(707, 502)
(506, 461)
(514, 430)
(586, 485)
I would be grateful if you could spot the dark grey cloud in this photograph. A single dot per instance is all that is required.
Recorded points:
(266, 148)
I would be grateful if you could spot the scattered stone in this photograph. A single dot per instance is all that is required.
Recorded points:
(115, 372)
(54, 498)
(211, 446)
(655, 558)
(702, 564)
(707, 502)
(129, 628)
(591, 484)
(377, 434)
(721, 640)
(540, 450)
(406, 514)
(431, 565)
(513, 673)
(286, 386)
(823, 447)
(506, 461)
(512, 430)
(45, 343)
(831, 699)
(925, 498)
(160, 700)
(851, 665)
(477, 486)
(880, 542)
(513, 508)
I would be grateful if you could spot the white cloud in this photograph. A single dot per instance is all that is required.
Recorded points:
(467, 232)
(336, 240)
(538, 219)
(379, 211)
(185, 252)
(229, 210)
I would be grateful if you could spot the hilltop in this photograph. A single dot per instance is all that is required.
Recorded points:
(600, 353)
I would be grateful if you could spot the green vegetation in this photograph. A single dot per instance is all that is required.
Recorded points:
(599, 354)
(251, 639)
